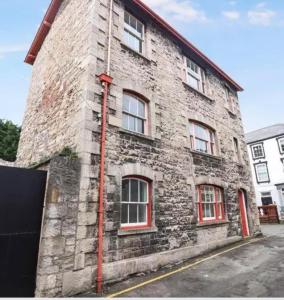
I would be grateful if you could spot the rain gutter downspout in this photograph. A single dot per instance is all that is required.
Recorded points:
(106, 81)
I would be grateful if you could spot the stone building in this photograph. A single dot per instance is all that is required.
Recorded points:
(176, 161)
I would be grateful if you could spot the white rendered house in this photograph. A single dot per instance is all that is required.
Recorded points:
(266, 153)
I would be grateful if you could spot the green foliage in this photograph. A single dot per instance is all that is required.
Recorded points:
(9, 140)
(68, 152)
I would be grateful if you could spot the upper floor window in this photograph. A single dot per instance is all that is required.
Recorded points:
(237, 149)
(261, 172)
(230, 101)
(266, 198)
(281, 145)
(134, 113)
(257, 151)
(202, 138)
(210, 203)
(135, 203)
(133, 32)
(195, 76)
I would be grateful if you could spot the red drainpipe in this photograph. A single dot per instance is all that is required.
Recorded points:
(106, 82)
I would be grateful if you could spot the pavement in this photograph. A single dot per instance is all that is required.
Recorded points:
(253, 268)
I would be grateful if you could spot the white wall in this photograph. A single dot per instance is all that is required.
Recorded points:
(275, 169)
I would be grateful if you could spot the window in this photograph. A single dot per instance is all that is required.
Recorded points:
(133, 32)
(195, 76)
(202, 139)
(210, 203)
(281, 145)
(266, 198)
(237, 150)
(257, 151)
(134, 113)
(282, 161)
(135, 204)
(261, 171)
(230, 100)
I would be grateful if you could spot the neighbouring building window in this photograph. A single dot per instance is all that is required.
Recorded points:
(261, 171)
(195, 76)
(135, 203)
(210, 203)
(266, 198)
(257, 151)
(282, 161)
(202, 138)
(237, 149)
(133, 32)
(281, 145)
(134, 113)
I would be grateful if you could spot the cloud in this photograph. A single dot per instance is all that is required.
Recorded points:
(261, 17)
(8, 49)
(178, 10)
(231, 15)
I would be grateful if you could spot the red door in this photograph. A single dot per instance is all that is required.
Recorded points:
(243, 211)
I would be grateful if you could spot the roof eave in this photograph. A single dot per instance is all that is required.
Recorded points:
(43, 31)
(54, 7)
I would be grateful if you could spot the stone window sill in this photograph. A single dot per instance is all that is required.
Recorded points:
(231, 113)
(122, 232)
(206, 154)
(212, 224)
(140, 135)
(126, 47)
(198, 92)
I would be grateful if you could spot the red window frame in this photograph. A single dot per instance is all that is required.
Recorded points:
(149, 204)
(210, 143)
(217, 213)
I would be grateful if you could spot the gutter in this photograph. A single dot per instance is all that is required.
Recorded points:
(54, 7)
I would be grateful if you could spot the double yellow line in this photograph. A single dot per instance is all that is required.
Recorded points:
(180, 269)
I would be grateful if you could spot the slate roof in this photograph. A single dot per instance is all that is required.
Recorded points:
(265, 133)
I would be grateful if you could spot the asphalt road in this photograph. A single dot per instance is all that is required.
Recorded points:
(253, 270)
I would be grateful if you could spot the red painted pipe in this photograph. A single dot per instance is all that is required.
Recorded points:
(106, 81)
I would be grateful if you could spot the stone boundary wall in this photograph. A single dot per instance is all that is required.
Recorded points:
(6, 163)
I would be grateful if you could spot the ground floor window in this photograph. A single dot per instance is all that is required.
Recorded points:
(266, 198)
(210, 203)
(136, 202)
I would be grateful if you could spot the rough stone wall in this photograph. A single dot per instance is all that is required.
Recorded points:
(57, 246)
(158, 75)
(53, 112)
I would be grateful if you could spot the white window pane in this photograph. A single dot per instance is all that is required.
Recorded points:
(133, 108)
(126, 102)
(200, 146)
(134, 191)
(131, 124)
(124, 213)
(193, 81)
(201, 132)
(142, 213)
(125, 190)
(143, 191)
(139, 125)
(125, 121)
(133, 217)
(141, 109)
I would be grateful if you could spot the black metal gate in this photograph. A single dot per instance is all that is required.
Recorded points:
(21, 203)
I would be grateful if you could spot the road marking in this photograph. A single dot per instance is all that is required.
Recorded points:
(180, 269)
